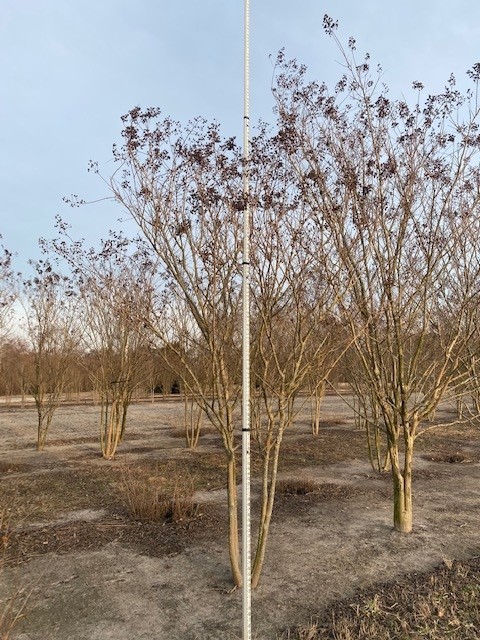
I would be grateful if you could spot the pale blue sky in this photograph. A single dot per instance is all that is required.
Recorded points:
(70, 68)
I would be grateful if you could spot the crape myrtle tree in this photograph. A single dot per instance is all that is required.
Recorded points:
(185, 359)
(368, 415)
(114, 284)
(53, 333)
(183, 188)
(189, 360)
(394, 187)
(8, 291)
(291, 303)
(331, 335)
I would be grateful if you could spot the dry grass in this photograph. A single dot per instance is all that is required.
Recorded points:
(179, 432)
(13, 467)
(451, 458)
(47, 495)
(209, 468)
(303, 632)
(330, 446)
(12, 606)
(442, 604)
(158, 497)
(296, 487)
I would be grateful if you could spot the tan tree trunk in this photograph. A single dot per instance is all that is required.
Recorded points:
(268, 500)
(316, 400)
(233, 542)
(44, 421)
(402, 487)
(193, 419)
(378, 455)
(41, 433)
(112, 416)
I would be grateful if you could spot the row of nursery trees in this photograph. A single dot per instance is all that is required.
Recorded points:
(80, 334)
(364, 249)
(18, 370)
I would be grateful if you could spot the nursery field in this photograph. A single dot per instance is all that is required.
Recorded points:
(84, 565)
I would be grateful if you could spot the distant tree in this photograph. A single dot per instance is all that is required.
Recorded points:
(16, 362)
(332, 337)
(186, 365)
(114, 287)
(52, 330)
(8, 291)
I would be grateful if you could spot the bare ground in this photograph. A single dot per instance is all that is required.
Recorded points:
(95, 574)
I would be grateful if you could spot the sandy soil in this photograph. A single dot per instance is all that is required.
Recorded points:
(322, 548)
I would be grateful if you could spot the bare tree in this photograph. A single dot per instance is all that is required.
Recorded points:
(465, 266)
(394, 188)
(183, 364)
(291, 303)
(333, 339)
(51, 325)
(114, 285)
(15, 363)
(368, 417)
(8, 293)
(181, 188)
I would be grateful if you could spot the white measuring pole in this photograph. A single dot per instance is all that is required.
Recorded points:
(246, 527)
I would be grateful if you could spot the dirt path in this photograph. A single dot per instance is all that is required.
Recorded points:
(321, 549)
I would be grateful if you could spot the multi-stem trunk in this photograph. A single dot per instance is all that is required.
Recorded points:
(316, 399)
(193, 415)
(402, 483)
(233, 537)
(379, 456)
(277, 423)
(44, 420)
(125, 402)
(41, 432)
(111, 418)
(270, 471)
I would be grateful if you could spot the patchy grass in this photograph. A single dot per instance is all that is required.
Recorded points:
(447, 439)
(13, 467)
(382, 612)
(47, 495)
(295, 498)
(444, 603)
(156, 539)
(95, 484)
(296, 487)
(329, 447)
(12, 606)
(208, 468)
(451, 458)
(64, 442)
(179, 432)
(161, 497)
